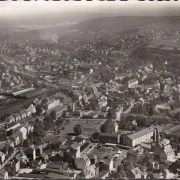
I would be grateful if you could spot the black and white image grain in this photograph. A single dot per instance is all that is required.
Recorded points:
(89, 90)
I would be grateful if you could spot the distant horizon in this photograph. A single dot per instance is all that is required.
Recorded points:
(84, 10)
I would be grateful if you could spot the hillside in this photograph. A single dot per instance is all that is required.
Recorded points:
(122, 23)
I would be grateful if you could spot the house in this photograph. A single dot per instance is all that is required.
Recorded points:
(15, 165)
(10, 119)
(17, 117)
(72, 152)
(10, 143)
(29, 128)
(39, 150)
(102, 115)
(23, 133)
(3, 174)
(109, 138)
(76, 149)
(102, 101)
(30, 153)
(2, 157)
(93, 158)
(59, 110)
(167, 153)
(106, 164)
(16, 139)
(56, 157)
(139, 137)
(132, 83)
(78, 140)
(21, 156)
(23, 114)
(52, 104)
(13, 126)
(131, 125)
(90, 172)
(44, 157)
(134, 173)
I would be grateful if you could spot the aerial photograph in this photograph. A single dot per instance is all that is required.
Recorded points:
(89, 90)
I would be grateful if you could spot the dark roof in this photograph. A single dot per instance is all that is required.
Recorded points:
(172, 129)
(35, 93)
(78, 139)
(167, 126)
(57, 176)
(31, 175)
(54, 166)
(109, 134)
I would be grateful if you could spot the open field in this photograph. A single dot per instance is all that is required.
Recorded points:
(168, 42)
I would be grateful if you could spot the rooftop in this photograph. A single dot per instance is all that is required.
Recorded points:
(141, 133)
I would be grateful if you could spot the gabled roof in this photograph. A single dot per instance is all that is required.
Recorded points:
(75, 145)
(168, 150)
(132, 80)
(141, 133)
(136, 171)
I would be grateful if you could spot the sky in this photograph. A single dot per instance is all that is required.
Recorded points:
(21, 9)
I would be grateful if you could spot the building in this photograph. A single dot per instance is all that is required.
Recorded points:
(138, 137)
(52, 104)
(15, 165)
(3, 174)
(134, 173)
(102, 101)
(109, 138)
(23, 133)
(15, 138)
(30, 153)
(2, 157)
(132, 83)
(106, 164)
(167, 153)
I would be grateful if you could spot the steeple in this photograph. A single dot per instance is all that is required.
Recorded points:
(157, 135)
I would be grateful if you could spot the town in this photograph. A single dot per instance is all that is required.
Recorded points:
(100, 105)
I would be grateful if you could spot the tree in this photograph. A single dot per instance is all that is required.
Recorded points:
(95, 135)
(53, 115)
(10, 150)
(59, 121)
(177, 116)
(120, 168)
(62, 99)
(38, 110)
(27, 142)
(3, 134)
(133, 154)
(150, 174)
(162, 167)
(69, 109)
(5, 149)
(39, 129)
(78, 129)
(108, 126)
(151, 109)
(111, 113)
